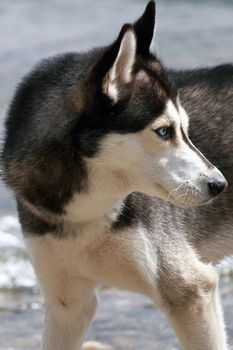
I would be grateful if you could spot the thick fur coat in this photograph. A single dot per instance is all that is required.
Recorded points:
(110, 188)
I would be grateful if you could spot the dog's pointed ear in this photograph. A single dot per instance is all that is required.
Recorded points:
(144, 29)
(115, 69)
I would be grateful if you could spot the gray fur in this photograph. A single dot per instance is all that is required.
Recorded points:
(57, 127)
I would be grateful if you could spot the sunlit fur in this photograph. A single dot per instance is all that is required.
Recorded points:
(83, 152)
(170, 170)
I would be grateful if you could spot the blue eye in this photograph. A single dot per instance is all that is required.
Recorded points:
(164, 132)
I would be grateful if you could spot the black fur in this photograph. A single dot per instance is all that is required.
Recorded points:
(144, 29)
(207, 95)
(136, 208)
(33, 224)
(60, 114)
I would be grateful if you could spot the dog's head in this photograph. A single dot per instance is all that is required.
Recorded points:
(102, 125)
(144, 144)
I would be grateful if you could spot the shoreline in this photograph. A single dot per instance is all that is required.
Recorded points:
(124, 320)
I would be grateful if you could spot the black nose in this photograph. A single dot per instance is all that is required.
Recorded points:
(216, 187)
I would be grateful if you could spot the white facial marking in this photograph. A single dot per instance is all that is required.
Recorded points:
(183, 171)
(173, 171)
(172, 112)
(183, 116)
(178, 115)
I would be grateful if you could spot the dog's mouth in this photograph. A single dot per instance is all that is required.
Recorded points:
(182, 196)
(187, 195)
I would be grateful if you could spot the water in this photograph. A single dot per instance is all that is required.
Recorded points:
(189, 34)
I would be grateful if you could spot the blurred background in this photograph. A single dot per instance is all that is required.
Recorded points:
(190, 33)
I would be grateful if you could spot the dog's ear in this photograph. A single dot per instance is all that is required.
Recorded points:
(114, 71)
(144, 29)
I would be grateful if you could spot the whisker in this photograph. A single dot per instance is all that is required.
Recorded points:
(173, 191)
(186, 193)
(182, 195)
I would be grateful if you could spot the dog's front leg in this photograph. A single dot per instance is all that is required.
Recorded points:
(67, 321)
(173, 276)
(70, 298)
(193, 307)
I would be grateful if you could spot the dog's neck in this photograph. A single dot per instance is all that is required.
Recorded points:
(89, 208)
(107, 187)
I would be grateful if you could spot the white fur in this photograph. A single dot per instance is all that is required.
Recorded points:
(69, 270)
(182, 170)
(121, 72)
(139, 162)
(183, 116)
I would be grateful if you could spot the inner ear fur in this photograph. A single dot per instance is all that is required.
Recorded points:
(114, 72)
(120, 75)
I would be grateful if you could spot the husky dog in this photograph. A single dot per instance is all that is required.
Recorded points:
(96, 143)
